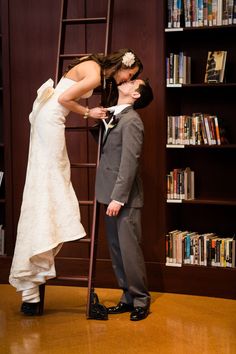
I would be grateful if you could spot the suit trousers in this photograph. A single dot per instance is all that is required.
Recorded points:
(124, 239)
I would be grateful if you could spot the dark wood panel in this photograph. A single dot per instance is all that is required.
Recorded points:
(193, 280)
(34, 34)
(33, 48)
(7, 126)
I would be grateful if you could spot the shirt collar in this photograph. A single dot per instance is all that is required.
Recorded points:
(115, 110)
(119, 108)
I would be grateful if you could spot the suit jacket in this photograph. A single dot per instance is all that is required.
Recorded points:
(118, 175)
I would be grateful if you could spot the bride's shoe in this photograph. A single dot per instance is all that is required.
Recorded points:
(34, 308)
(31, 309)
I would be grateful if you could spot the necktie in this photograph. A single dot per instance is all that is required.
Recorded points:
(109, 116)
(109, 126)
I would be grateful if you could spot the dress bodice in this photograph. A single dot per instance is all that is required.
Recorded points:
(65, 83)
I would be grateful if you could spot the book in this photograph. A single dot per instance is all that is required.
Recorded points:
(184, 247)
(234, 13)
(1, 177)
(215, 67)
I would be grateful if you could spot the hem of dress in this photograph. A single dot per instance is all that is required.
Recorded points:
(15, 278)
(55, 244)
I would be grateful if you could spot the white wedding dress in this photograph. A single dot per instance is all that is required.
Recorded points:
(50, 212)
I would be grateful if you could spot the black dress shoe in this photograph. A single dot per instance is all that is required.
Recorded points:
(139, 313)
(31, 308)
(121, 307)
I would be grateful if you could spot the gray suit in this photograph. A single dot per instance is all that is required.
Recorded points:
(118, 179)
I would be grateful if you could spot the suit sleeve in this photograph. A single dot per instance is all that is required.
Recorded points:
(132, 140)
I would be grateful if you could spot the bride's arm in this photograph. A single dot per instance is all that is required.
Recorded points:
(89, 82)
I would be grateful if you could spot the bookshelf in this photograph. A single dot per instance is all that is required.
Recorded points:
(214, 206)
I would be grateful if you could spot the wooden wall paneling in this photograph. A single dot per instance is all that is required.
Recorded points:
(74, 39)
(6, 100)
(81, 146)
(134, 20)
(33, 56)
(33, 48)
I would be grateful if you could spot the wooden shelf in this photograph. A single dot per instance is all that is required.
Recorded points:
(202, 28)
(77, 21)
(203, 85)
(182, 146)
(200, 280)
(197, 266)
(202, 201)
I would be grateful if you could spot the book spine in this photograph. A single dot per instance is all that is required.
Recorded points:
(205, 12)
(170, 14)
(171, 66)
(210, 17)
(187, 13)
(230, 11)
(225, 20)
(200, 13)
(181, 68)
(219, 12)
(234, 13)
(167, 71)
(217, 130)
(1, 177)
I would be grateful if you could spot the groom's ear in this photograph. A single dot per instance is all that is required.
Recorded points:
(136, 95)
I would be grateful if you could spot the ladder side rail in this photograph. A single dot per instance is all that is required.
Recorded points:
(59, 42)
(108, 26)
(94, 235)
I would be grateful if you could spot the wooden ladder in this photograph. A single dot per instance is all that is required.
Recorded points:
(62, 58)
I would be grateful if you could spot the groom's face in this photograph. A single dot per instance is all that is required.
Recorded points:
(128, 88)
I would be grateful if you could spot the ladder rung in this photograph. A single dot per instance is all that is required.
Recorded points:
(81, 165)
(84, 240)
(75, 278)
(75, 55)
(72, 21)
(82, 129)
(86, 202)
(85, 128)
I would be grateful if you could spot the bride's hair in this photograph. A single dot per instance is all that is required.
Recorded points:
(114, 61)
(122, 59)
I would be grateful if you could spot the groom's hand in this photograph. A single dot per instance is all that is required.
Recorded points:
(113, 208)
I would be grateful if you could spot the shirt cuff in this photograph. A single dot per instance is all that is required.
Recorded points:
(116, 201)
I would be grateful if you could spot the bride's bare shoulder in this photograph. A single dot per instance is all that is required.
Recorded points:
(85, 69)
(88, 65)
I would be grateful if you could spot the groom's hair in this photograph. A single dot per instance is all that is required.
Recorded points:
(146, 95)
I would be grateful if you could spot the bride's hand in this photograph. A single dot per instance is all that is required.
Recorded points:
(98, 113)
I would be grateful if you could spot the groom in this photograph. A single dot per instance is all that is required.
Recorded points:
(119, 188)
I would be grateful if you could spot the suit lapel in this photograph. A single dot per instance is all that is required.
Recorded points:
(107, 132)
(114, 123)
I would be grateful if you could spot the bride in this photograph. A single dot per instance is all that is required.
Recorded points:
(50, 213)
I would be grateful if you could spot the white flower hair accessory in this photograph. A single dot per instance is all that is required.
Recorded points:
(128, 59)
